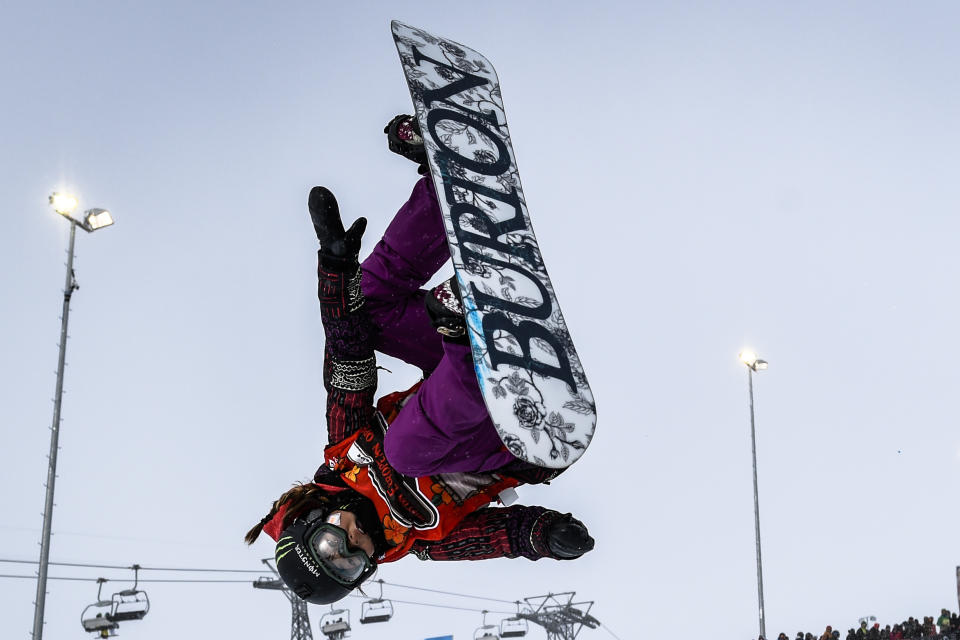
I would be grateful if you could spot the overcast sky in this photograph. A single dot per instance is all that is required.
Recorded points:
(702, 177)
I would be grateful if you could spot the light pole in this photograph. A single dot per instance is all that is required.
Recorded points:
(754, 363)
(94, 219)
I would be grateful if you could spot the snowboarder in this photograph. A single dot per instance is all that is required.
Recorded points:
(422, 485)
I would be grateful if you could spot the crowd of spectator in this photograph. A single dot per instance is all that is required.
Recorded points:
(945, 627)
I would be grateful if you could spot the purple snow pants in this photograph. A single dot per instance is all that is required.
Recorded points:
(445, 427)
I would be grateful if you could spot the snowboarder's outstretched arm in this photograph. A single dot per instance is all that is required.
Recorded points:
(349, 364)
(531, 532)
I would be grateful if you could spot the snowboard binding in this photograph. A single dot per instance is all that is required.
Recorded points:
(404, 138)
(446, 311)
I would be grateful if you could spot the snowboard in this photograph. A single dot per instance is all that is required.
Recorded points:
(527, 367)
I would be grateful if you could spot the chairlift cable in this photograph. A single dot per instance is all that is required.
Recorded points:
(201, 570)
(258, 571)
(4, 575)
(114, 566)
(182, 580)
(425, 604)
(153, 580)
(421, 604)
(448, 593)
(446, 606)
(127, 579)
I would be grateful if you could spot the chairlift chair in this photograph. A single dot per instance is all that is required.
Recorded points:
(98, 622)
(487, 631)
(513, 627)
(376, 609)
(96, 617)
(130, 604)
(336, 623)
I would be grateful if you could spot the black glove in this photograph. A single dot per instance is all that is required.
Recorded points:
(339, 249)
(404, 138)
(568, 538)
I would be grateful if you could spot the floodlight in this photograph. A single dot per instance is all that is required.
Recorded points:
(63, 203)
(751, 359)
(97, 219)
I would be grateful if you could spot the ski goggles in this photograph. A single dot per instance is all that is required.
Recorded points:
(328, 545)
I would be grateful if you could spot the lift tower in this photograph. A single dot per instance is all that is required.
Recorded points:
(559, 615)
(300, 620)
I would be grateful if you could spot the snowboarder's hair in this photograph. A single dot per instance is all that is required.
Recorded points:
(300, 499)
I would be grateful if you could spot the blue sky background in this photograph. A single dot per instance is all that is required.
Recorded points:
(701, 177)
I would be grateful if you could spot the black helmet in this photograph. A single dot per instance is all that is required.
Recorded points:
(316, 562)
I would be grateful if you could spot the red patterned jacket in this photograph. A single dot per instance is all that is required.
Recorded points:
(440, 517)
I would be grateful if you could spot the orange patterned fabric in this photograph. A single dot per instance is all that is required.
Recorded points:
(442, 501)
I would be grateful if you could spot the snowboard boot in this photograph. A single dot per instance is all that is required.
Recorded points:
(403, 138)
(446, 311)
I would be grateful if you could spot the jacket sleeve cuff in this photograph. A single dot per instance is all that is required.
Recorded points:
(353, 375)
(538, 533)
(339, 291)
